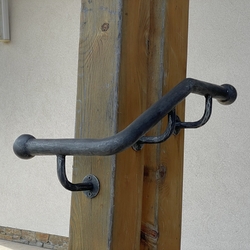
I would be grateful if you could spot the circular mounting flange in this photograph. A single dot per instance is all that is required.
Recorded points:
(96, 186)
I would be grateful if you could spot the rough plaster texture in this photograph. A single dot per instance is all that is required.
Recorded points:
(216, 206)
(38, 75)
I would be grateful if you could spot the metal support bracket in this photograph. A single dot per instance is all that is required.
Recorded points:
(90, 184)
(175, 125)
(27, 146)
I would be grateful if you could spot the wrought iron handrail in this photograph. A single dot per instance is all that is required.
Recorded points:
(26, 146)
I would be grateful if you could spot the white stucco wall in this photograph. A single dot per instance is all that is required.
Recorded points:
(38, 75)
(216, 206)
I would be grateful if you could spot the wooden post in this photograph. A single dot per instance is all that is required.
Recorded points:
(130, 54)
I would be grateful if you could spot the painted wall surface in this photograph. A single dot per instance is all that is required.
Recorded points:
(38, 75)
(216, 206)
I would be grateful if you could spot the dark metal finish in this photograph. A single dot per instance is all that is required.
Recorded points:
(207, 113)
(161, 138)
(61, 173)
(26, 146)
(90, 184)
(203, 120)
(96, 186)
(175, 125)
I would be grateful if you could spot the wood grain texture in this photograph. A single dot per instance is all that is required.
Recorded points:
(170, 191)
(163, 173)
(152, 164)
(132, 102)
(96, 112)
(131, 53)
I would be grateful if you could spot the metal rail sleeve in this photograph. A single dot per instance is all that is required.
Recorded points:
(27, 146)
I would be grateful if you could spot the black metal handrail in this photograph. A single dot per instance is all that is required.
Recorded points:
(27, 146)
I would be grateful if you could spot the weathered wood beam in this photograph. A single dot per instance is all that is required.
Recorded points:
(130, 54)
(96, 117)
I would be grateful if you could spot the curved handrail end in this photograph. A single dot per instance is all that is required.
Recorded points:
(19, 146)
(232, 94)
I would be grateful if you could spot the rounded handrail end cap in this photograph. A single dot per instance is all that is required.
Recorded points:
(232, 94)
(20, 148)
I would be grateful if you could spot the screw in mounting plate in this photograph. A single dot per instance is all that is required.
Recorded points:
(96, 186)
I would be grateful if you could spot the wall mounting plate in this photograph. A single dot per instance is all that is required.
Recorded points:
(96, 186)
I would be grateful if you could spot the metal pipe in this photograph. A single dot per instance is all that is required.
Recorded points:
(61, 174)
(27, 146)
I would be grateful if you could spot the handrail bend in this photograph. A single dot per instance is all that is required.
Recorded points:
(26, 146)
